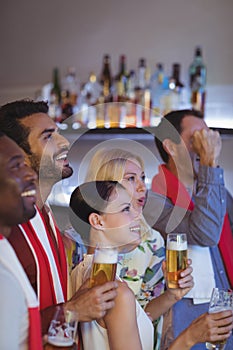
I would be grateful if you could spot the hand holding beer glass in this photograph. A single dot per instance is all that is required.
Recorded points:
(104, 266)
(176, 256)
(221, 300)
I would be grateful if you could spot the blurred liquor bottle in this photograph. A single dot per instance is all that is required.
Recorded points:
(175, 82)
(96, 100)
(143, 93)
(55, 111)
(56, 89)
(141, 74)
(131, 86)
(172, 97)
(71, 86)
(93, 90)
(121, 81)
(106, 78)
(128, 115)
(197, 81)
(157, 87)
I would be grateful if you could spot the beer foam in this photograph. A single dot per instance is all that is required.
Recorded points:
(219, 308)
(171, 245)
(60, 341)
(105, 256)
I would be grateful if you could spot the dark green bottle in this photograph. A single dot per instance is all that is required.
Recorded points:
(197, 81)
(56, 89)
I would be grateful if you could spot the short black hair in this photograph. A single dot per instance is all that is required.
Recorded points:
(170, 127)
(12, 113)
(91, 197)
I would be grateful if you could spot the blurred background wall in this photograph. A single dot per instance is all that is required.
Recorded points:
(36, 36)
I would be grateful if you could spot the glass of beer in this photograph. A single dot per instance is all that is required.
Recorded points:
(176, 256)
(104, 266)
(62, 331)
(221, 300)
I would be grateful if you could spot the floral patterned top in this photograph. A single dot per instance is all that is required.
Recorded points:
(141, 268)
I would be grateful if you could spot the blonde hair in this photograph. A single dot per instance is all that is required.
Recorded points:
(110, 164)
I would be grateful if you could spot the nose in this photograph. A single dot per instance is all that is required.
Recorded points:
(63, 142)
(141, 186)
(136, 214)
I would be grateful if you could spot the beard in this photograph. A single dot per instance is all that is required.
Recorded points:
(47, 169)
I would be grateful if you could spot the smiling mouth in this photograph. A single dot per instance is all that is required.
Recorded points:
(29, 193)
(62, 157)
(135, 229)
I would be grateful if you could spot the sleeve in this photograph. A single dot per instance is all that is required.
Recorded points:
(203, 225)
(13, 331)
(81, 273)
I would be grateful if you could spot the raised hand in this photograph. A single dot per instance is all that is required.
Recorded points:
(207, 144)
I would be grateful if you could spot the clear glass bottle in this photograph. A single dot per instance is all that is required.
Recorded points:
(156, 87)
(141, 74)
(131, 86)
(71, 85)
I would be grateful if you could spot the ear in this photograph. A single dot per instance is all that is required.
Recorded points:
(170, 147)
(96, 221)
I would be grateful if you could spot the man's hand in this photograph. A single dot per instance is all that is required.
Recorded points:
(212, 327)
(93, 303)
(207, 144)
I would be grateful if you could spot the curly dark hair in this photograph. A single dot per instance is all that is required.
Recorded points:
(170, 128)
(12, 113)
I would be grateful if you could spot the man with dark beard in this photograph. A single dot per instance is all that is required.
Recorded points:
(38, 243)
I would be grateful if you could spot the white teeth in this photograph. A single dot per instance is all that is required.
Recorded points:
(28, 193)
(62, 157)
(134, 229)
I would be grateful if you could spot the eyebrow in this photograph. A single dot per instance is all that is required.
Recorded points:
(120, 206)
(132, 173)
(123, 205)
(46, 131)
(16, 157)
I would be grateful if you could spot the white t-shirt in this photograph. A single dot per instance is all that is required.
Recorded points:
(13, 313)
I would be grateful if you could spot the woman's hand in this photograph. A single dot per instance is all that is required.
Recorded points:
(185, 282)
